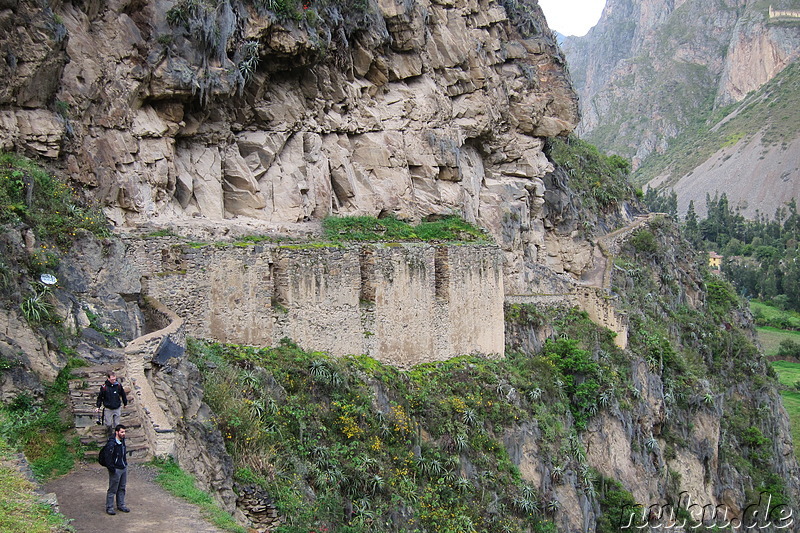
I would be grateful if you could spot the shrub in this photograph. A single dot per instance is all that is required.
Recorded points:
(644, 242)
(30, 195)
(616, 504)
(600, 180)
(789, 349)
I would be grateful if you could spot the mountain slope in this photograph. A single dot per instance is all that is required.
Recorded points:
(749, 150)
(654, 70)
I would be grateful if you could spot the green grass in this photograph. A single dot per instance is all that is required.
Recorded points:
(771, 338)
(180, 484)
(768, 315)
(371, 229)
(788, 375)
(40, 428)
(20, 508)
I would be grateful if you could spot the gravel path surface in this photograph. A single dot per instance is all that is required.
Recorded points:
(81, 497)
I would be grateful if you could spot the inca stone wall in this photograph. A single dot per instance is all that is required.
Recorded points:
(400, 303)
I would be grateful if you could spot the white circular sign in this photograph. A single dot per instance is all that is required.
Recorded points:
(48, 279)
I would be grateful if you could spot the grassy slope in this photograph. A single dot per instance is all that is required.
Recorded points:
(20, 510)
(768, 318)
(771, 337)
(771, 110)
(789, 374)
(406, 451)
(770, 315)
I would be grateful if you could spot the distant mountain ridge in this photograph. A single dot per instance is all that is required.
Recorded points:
(654, 71)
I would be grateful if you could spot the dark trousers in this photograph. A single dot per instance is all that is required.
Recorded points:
(117, 478)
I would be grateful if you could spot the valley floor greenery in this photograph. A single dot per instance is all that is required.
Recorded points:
(789, 375)
(761, 256)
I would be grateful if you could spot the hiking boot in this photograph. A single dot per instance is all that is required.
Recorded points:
(110, 511)
(123, 509)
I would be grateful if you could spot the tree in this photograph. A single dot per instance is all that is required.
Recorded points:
(690, 227)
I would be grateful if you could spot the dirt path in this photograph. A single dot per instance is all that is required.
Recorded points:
(81, 497)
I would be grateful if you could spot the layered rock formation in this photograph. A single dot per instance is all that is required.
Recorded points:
(406, 109)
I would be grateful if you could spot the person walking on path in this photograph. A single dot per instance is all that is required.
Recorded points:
(112, 398)
(117, 464)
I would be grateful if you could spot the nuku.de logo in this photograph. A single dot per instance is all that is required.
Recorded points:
(754, 517)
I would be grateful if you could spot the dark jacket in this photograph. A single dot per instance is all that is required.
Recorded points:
(111, 396)
(115, 454)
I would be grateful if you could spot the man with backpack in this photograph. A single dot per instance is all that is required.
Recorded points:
(114, 457)
(112, 398)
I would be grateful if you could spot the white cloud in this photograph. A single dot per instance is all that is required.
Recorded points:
(572, 17)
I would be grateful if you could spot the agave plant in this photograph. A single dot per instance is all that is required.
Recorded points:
(527, 492)
(470, 417)
(606, 397)
(557, 473)
(586, 476)
(463, 485)
(460, 442)
(506, 391)
(319, 370)
(36, 308)
(375, 484)
(535, 394)
(525, 505)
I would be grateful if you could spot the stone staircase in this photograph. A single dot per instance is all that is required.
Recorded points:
(83, 389)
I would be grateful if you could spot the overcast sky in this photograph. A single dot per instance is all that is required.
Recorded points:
(572, 17)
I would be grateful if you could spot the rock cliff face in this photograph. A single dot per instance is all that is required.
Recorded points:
(409, 109)
(652, 70)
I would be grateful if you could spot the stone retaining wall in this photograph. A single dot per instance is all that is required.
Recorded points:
(139, 355)
(400, 303)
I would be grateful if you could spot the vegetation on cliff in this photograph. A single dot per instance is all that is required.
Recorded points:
(600, 181)
(355, 445)
(30, 195)
(705, 354)
(218, 28)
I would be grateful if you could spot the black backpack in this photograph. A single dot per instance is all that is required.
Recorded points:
(102, 457)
